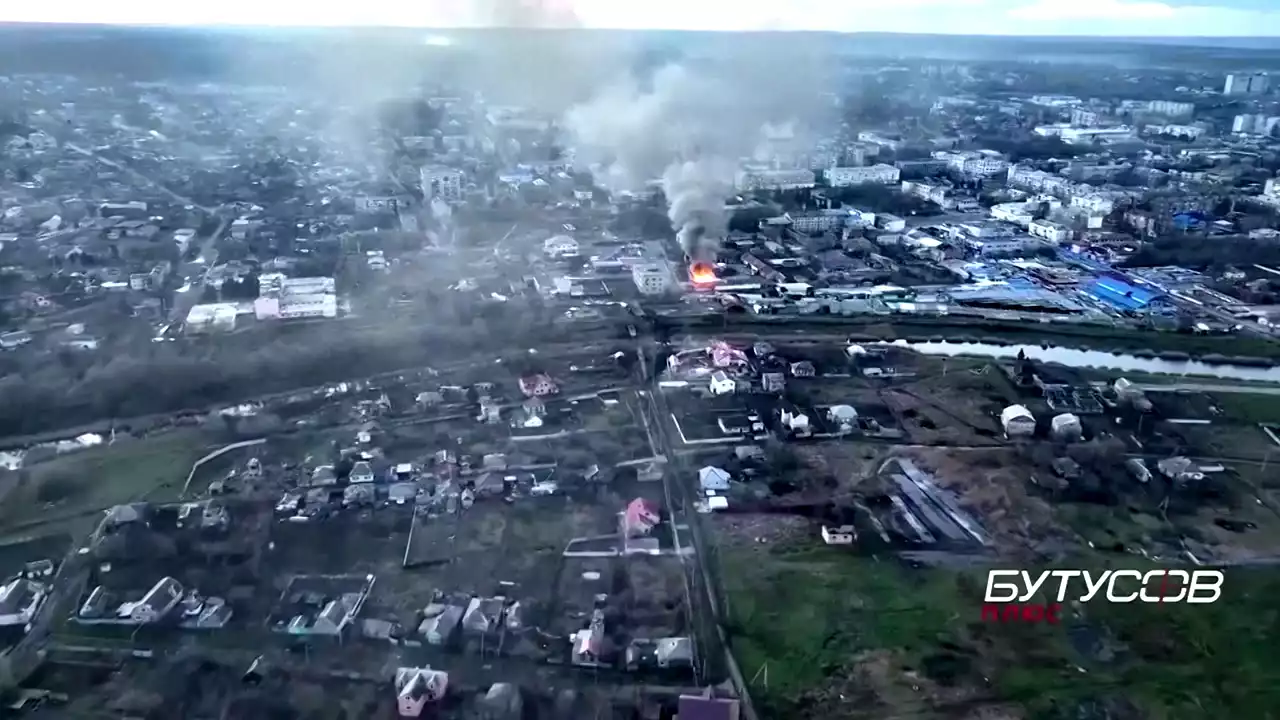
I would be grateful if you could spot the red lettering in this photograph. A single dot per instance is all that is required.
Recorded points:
(1022, 612)
(1051, 613)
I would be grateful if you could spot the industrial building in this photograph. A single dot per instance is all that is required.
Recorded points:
(441, 182)
(290, 298)
(651, 278)
(847, 176)
(212, 317)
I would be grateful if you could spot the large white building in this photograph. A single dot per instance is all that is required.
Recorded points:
(1048, 230)
(441, 182)
(1171, 108)
(1255, 124)
(289, 298)
(1070, 134)
(651, 278)
(847, 176)
(974, 164)
(1246, 84)
(211, 317)
(749, 180)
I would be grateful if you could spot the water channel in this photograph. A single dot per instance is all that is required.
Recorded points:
(1097, 359)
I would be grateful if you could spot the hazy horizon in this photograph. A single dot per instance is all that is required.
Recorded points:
(1118, 19)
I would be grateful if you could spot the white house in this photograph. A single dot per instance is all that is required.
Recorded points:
(839, 535)
(713, 479)
(722, 384)
(159, 600)
(361, 472)
(560, 246)
(19, 600)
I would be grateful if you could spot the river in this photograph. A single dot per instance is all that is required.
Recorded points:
(1097, 359)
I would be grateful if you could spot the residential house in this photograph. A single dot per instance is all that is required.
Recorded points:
(727, 356)
(588, 642)
(1179, 469)
(417, 687)
(482, 615)
(795, 421)
(803, 369)
(675, 652)
(323, 476)
(361, 472)
(773, 382)
(20, 598)
(713, 480)
(538, 385)
(439, 623)
(159, 600)
(838, 535)
(640, 518)
(722, 384)
(707, 707)
(336, 614)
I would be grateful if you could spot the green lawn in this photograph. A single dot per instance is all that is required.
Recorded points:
(1249, 407)
(78, 483)
(823, 611)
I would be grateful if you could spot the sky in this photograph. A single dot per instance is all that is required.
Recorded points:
(1221, 18)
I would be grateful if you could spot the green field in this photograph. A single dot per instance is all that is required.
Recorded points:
(75, 484)
(844, 636)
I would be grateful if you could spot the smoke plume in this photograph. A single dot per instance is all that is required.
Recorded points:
(689, 127)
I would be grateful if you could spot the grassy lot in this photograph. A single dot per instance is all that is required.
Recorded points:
(849, 637)
(84, 482)
(1249, 408)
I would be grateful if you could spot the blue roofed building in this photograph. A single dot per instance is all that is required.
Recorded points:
(1121, 294)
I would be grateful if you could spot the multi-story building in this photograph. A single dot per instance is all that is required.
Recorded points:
(1255, 124)
(1171, 108)
(1025, 178)
(985, 163)
(845, 176)
(1048, 230)
(1270, 194)
(1246, 84)
(1187, 132)
(749, 180)
(938, 194)
(1070, 134)
(879, 140)
(1084, 117)
(442, 182)
(651, 278)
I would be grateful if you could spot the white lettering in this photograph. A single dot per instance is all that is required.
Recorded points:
(1206, 580)
(1154, 586)
(1063, 576)
(1156, 578)
(1032, 588)
(1092, 588)
(1169, 586)
(1111, 586)
(1009, 591)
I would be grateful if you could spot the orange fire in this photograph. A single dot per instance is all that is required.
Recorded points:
(702, 273)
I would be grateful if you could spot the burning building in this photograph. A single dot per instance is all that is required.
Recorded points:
(702, 273)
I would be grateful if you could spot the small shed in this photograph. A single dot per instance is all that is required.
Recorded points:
(1017, 421)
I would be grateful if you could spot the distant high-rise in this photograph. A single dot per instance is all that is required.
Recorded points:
(1252, 84)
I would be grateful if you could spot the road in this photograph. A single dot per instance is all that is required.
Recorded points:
(195, 273)
(679, 494)
(192, 273)
(1211, 388)
(137, 175)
